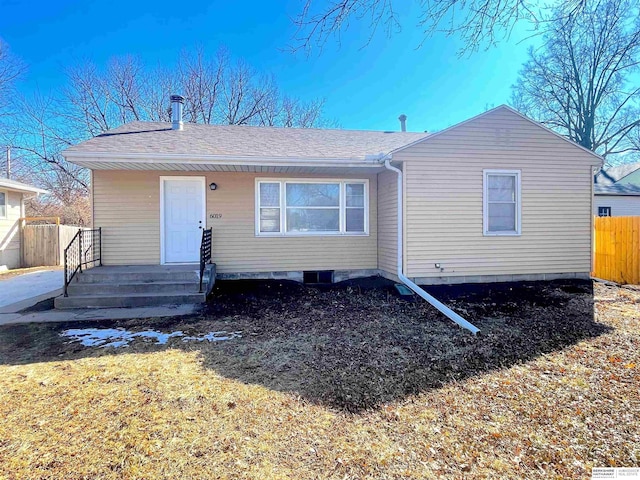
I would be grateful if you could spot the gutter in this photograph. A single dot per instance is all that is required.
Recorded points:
(151, 157)
(432, 300)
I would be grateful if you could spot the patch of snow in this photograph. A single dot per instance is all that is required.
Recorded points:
(119, 337)
(214, 337)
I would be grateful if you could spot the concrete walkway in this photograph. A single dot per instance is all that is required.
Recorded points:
(24, 291)
(99, 314)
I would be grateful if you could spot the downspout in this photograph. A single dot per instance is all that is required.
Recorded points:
(433, 301)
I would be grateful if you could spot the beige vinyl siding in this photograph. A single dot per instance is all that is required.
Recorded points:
(10, 230)
(127, 206)
(387, 222)
(621, 205)
(444, 202)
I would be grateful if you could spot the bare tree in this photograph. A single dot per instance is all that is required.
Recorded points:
(216, 90)
(87, 100)
(11, 68)
(43, 135)
(123, 83)
(156, 93)
(76, 212)
(303, 115)
(201, 80)
(245, 94)
(272, 110)
(478, 22)
(292, 112)
(581, 82)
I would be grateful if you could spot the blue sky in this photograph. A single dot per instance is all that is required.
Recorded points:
(364, 88)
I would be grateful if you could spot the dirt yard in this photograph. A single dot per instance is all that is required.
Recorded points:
(279, 380)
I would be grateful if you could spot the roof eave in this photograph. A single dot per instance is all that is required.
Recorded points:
(618, 194)
(25, 189)
(151, 158)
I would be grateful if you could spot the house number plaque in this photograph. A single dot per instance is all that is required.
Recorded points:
(215, 215)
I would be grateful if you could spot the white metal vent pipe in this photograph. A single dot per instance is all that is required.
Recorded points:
(433, 301)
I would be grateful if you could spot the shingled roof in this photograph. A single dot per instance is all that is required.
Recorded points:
(155, 138)
(612, 175)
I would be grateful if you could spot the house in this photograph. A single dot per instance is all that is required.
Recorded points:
(12, 197)
(495, 198)
(617, 191)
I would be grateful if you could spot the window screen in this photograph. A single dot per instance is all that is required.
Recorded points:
(501, 208)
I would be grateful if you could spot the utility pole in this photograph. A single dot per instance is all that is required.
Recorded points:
(9, 162)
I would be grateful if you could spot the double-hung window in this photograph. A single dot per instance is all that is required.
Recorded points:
(269, 207)
(3, 204)
(304, 207)
(501, 202)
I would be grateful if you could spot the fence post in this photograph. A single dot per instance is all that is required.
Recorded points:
(58, 244)
(23, 262)
(81, 250)
(66, 283)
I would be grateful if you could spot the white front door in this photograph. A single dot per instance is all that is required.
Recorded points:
(183, 201)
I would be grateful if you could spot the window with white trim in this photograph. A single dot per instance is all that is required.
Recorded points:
(604, 211)
(502, 207)
(3, 205)
(318, 207)
(269, 207)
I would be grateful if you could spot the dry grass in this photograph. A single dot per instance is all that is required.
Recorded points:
(6, 274)
(336, 384)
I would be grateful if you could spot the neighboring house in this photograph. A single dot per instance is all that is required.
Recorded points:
(497, 197)
(628, 173)
(12, 196)
(617, 191)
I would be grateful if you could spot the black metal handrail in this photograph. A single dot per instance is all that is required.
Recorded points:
(205, 252)
(84, 251)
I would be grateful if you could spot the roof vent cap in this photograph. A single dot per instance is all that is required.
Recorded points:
(177, 103)
(403, 122)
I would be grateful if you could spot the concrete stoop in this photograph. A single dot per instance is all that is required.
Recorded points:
(137, 286)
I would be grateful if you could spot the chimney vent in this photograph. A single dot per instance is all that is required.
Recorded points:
(403, 122)
(177, 101)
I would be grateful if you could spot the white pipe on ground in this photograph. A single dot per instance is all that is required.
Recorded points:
(433, 301)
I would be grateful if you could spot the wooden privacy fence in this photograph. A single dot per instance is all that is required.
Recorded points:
(617, 249)
(43, 245)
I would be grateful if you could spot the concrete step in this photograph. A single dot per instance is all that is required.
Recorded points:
(128, 300)
(96, 275)
(125, 288)
(137, 286)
